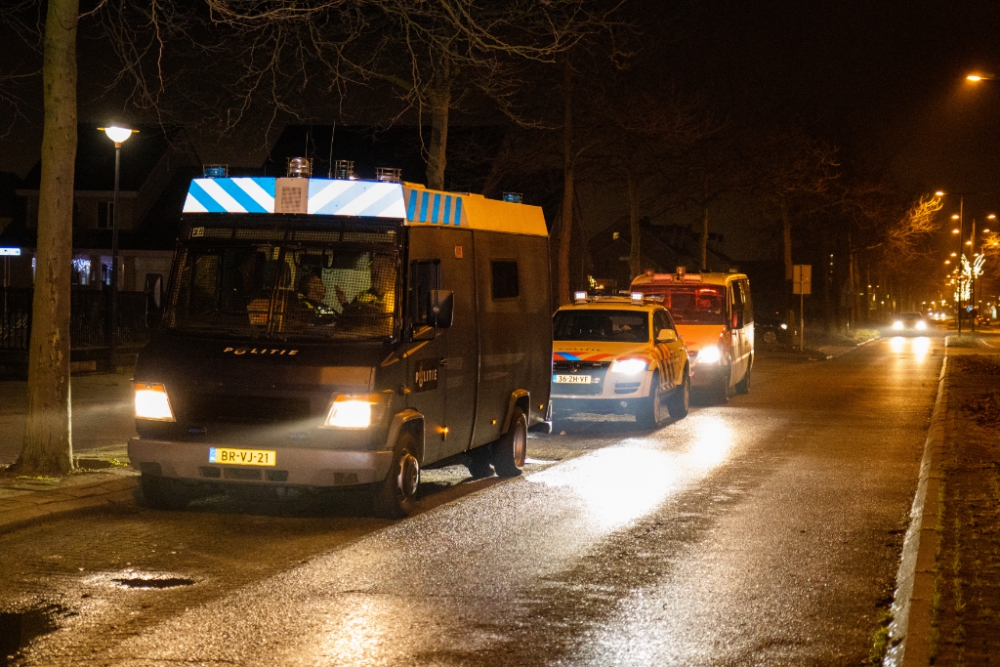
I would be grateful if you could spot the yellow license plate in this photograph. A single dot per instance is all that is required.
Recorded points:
(242, 457)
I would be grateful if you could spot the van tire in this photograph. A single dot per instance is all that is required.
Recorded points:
(163, 493)
(720, 390)
(743, 386)
(650, 412)
(478, 463)
(396, 495)
(679, 399)
(511, 450)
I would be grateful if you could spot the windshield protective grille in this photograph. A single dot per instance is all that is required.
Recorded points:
(298, 280)
(692, 304)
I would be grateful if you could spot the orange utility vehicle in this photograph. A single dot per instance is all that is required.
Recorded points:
(714, 316)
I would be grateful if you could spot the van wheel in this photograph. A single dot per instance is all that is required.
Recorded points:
(720, 391)
(478, 463)
(511, 450)
(650, 412)
(743, 386)
(679, 399)
(396, 495)
(164, 493)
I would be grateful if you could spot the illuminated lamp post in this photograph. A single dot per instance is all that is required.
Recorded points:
(961, 233)
(119, 135)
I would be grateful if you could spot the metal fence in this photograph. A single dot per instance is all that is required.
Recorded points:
(88, 318)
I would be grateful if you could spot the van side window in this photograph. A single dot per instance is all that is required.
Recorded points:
(425, 276)
(737, 298)
(747, 303)
(505, 279)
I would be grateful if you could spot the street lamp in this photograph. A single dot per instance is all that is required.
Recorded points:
(119, 135)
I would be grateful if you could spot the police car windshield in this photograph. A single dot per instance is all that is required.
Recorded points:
(601, 325)
(284, 290)
(692, 304)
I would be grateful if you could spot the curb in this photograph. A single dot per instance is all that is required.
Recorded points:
(913, 603)
(34, 508)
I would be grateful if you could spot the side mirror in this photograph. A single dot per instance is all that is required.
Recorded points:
(666, 336)
(442, 308)
(154, 299)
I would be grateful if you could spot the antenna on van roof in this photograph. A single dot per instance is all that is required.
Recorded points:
(333, 131)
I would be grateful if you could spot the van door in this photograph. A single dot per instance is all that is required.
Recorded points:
(443, 371)
(738, 328)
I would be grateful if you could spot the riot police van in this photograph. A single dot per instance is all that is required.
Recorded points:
(323, 332)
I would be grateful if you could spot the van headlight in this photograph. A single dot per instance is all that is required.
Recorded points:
(898, 325)
(921, 325)
(709, 355)
(351, 411)
(152, 402)
(629, 366)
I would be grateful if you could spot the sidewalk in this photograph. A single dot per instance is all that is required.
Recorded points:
(947, 604)
(102, 425)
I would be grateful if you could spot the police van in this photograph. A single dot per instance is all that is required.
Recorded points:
(714, 316)
(323, 333)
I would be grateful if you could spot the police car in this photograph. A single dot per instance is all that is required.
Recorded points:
(619, 355)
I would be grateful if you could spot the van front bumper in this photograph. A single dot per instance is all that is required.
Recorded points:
(294, 466)
(708, 375)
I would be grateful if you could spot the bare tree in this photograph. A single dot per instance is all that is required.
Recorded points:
(47, 447)
(433, 55)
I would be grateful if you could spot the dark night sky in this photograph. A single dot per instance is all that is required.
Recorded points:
(880, 78)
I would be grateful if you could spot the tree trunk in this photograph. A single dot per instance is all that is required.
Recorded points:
(48, 447)
(436, 161)
(786, 239)
(703, 266)
(566, 224)
(635, 251)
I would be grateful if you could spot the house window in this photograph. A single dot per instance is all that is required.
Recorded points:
(105, 214)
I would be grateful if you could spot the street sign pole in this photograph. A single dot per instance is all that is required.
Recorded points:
(802, 285)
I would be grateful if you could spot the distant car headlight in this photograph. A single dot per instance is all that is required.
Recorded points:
(784, 326)
(921, 325)
(152, 402)
(897, 325)
(629, 366)
(709, 355)
(352, 411)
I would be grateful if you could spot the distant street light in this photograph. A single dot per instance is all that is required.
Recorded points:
(119, 135)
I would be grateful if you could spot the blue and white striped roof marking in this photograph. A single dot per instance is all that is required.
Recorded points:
(357, 198)
(425, 206)
(230, 195)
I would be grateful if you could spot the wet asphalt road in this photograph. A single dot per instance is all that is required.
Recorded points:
(762, 532)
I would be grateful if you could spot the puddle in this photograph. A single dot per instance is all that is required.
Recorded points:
(152, 581)
(18, 629)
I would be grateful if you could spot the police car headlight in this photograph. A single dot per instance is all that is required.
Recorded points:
(152, 402)
(347, 411)
(629, 366)
(898, 325)
(709, 355)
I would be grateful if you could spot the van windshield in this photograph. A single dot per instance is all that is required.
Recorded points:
(283, 289)
(691, 304)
